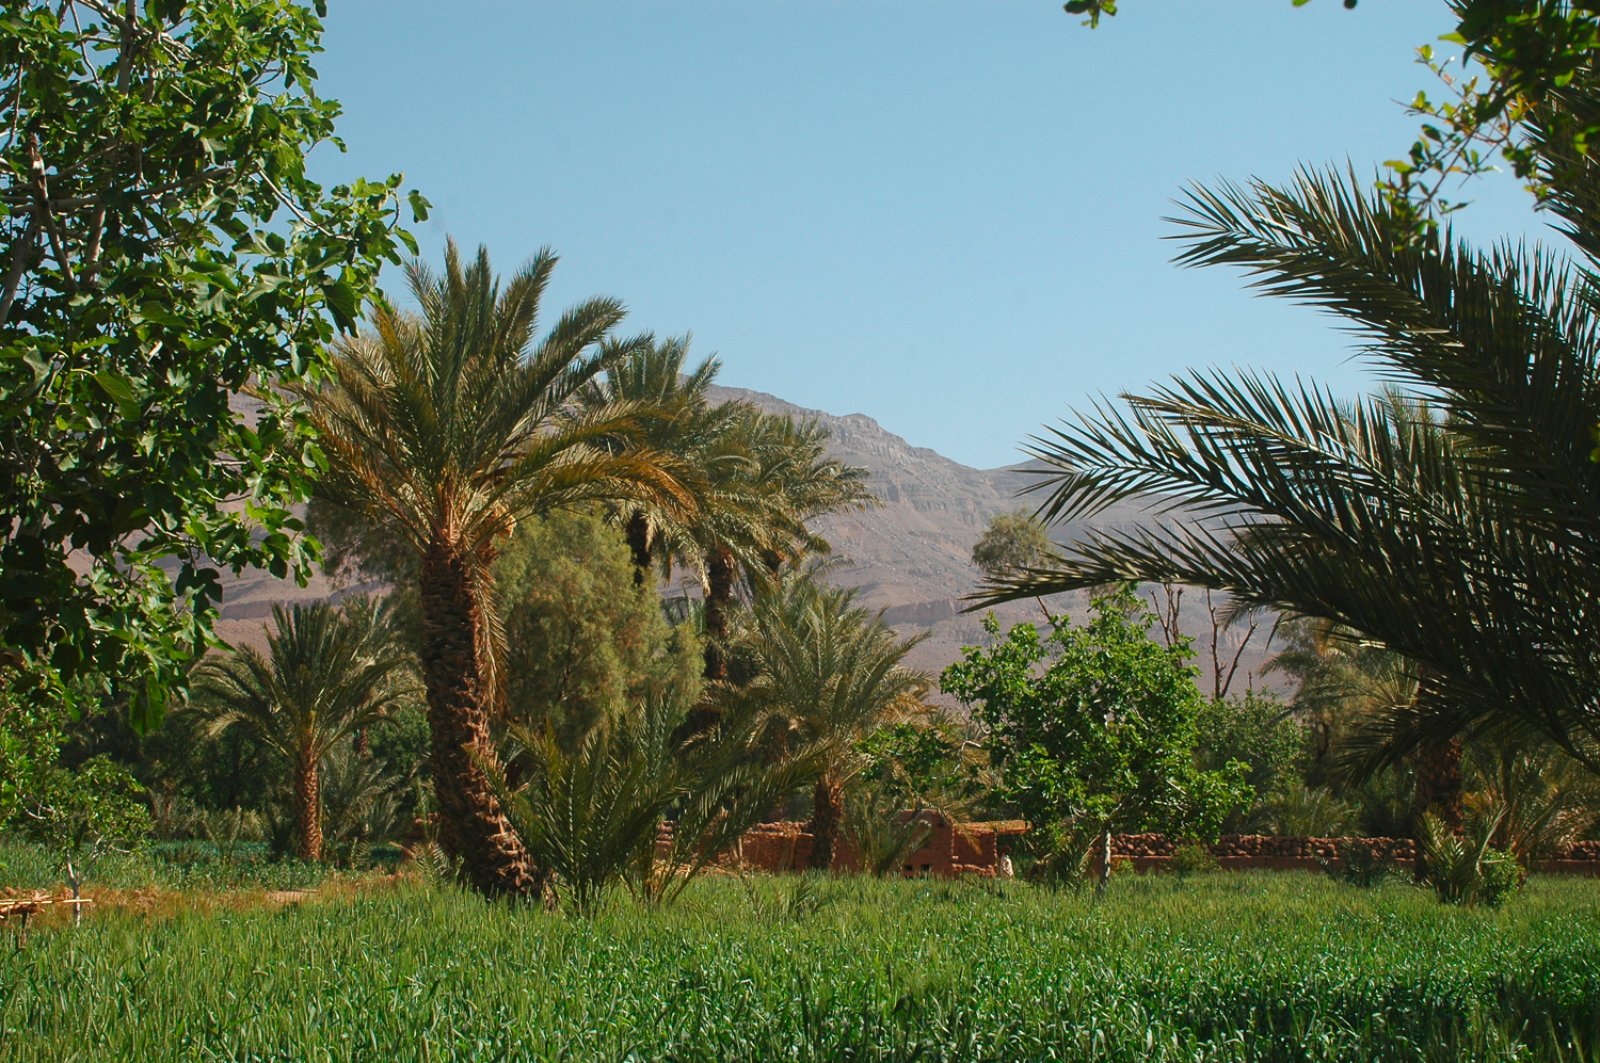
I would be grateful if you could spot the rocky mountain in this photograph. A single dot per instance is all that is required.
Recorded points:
(910, 556)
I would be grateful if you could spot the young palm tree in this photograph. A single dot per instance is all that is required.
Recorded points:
(1469, 545)
(327, 674)
(595, 814)
(828, 673)
(446, 430)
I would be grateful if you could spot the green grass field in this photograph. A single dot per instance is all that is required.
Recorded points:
(1224, 967)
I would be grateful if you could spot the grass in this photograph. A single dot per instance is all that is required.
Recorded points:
(1218, 967)
(188, 865)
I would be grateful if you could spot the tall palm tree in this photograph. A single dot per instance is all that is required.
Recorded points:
(1470, 547)
(327, 674)
(828, 672)
(773, 477)
(446, 429)
(679, 420)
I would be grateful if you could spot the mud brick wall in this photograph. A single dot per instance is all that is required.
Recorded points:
(950, 850)
(1151, 852)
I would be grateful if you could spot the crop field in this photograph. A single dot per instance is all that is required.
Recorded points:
(1219, 967)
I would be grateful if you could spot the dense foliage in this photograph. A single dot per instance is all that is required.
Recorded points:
(161, 248)
(1093, 726)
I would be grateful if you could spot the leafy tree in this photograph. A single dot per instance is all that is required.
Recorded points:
(327, 674)
(583, 640)
(923, 759)
(77, 808)
(1094, 726)
(1257, 730)
(1013, 542)
(161, 248)
(827, 674)
(444, 432)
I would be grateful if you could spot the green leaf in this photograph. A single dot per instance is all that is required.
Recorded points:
(118, 388)
(343, 303)
(419, 205)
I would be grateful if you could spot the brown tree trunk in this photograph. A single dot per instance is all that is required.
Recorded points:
(308, 808)
(827, 815)
(1437, 770)
(1439, 784)
(472, 825)
(638, 533)
(720, 574)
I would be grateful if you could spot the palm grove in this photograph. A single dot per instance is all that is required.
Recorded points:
(194, 345)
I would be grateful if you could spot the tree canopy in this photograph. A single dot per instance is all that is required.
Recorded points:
(1093, 726)
(162, 248)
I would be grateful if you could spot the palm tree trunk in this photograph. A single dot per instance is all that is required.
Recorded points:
(720, 573)
(308, 807)
(1439, 783)
(472, 825)
(827, 813)
(638, 532)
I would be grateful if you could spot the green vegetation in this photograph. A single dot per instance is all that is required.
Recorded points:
(1092, 728)
(162, 247)
(593, 753)
(1215, 967)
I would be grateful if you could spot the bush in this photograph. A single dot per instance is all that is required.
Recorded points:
(1192, 858)
(1465, 871)
(1500, 877)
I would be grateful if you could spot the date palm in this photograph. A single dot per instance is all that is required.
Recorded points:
(1466, 540)
(327, 673)
(679, 420)
(828, 672)
(445, 430)
(774, 477)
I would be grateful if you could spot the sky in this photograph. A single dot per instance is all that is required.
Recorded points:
(945, 214)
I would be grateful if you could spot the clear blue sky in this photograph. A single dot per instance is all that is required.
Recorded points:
(946, 214)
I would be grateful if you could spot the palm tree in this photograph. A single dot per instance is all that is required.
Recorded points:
(773, 478)
(828, 672)
(680, 421)
(327, 674)
(596, 814)
(446, 430)
(1468, 543)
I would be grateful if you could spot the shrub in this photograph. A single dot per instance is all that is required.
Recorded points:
(1192, 858)
(1467, 871)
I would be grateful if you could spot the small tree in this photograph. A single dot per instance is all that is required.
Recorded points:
(1012, 543)
(79, 812)
(1102, 735)
(327, 674)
